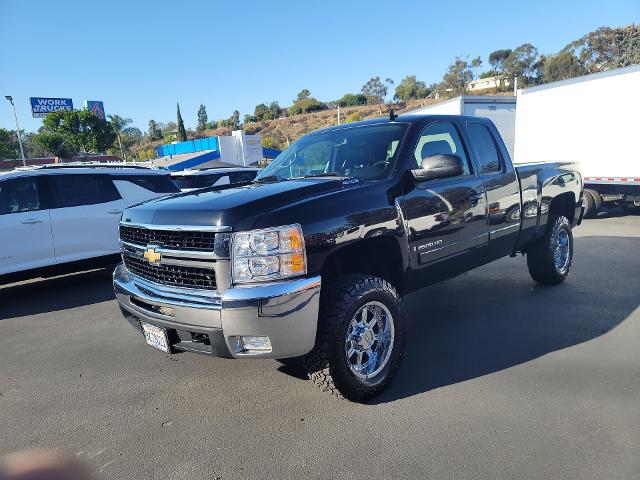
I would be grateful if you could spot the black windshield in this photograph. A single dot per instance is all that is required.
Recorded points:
(367, 152)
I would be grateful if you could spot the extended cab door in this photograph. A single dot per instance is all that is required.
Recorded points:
(501, 184)
(445, 218)
(25, 226)
(85, 217)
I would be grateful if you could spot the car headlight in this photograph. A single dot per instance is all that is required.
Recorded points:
(269, 254)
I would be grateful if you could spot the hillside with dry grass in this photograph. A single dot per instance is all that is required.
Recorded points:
(279, 133)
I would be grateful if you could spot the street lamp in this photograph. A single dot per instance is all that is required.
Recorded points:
(15, 116)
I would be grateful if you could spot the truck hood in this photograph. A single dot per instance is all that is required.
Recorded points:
(235, 207)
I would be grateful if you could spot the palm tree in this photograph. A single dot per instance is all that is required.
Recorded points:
(119, 125)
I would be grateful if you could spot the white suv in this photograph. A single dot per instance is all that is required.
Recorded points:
(62, 216)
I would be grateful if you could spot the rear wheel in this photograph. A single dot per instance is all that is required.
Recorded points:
(590, 204)
(549, 259)
(360, 338)
(597, 199)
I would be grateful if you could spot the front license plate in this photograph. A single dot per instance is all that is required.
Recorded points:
(155, 336)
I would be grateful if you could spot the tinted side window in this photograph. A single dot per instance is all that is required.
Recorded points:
(76, 190)
(485, 148)
(153, 183)
(441, 138)
(19, 195)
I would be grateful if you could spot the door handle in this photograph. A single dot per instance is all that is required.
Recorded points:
(115, 212)
(31, 222)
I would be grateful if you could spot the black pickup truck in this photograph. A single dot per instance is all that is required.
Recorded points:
(313, 257)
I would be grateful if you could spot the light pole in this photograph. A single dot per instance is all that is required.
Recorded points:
(15, 116)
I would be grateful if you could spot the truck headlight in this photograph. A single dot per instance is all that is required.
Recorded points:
(269, 254)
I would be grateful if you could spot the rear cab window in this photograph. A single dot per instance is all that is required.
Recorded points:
(485, 148)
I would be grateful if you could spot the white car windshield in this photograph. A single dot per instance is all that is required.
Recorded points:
(367, 152)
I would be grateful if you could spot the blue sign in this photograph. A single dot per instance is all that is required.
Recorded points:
(96, 107)
(41, 106)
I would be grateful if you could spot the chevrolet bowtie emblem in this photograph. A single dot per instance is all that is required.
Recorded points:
(151, 255)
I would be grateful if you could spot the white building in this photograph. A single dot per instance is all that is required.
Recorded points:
(489, 82)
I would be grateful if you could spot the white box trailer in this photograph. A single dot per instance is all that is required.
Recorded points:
(500, 110)
(591, 120)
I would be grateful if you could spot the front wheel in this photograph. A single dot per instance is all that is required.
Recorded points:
(360, 338)
(549, 259)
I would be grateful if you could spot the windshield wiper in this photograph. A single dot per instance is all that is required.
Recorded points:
(323, 174)
(269, 178)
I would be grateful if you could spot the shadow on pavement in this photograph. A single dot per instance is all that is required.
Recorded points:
(493, 320)
(54, 294)
(616, 212)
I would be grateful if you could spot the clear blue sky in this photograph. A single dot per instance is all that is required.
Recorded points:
(141, 57)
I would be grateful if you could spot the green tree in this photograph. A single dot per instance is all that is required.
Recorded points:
(351, 100)
(9, 148)
(67, 133)
(119, 125)
(475, 64)
(496, 60)
(562, 66)
(304, 94)
(275, 110)
(155, 130)
(306, 105)
(262, 112)
(182, 133)
(458, 75)
(33, 149)
(248, 118)
(202, 117)
(376, 91)
(131, 137)
(410, 89)
(607, 48)
(522, 62)
(234, 120)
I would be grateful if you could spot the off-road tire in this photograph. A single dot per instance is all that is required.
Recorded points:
(540, 257)
(326, 364)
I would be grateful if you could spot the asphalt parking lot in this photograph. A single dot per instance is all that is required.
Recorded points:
(502, 379)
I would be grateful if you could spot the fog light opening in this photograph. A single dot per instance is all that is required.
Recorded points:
(251, 344)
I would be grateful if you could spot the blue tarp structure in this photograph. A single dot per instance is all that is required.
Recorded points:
(270, 152)
(209, 144)
(190, 146)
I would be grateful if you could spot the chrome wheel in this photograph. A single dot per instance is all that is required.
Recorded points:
(369, 340)
(561, 251)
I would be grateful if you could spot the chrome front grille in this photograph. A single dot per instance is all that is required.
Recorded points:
(174, 275)
(178, 239)
(185, 257)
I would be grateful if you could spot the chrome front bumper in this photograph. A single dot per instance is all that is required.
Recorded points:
(207, 322)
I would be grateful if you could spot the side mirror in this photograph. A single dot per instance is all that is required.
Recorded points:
(441, 165)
